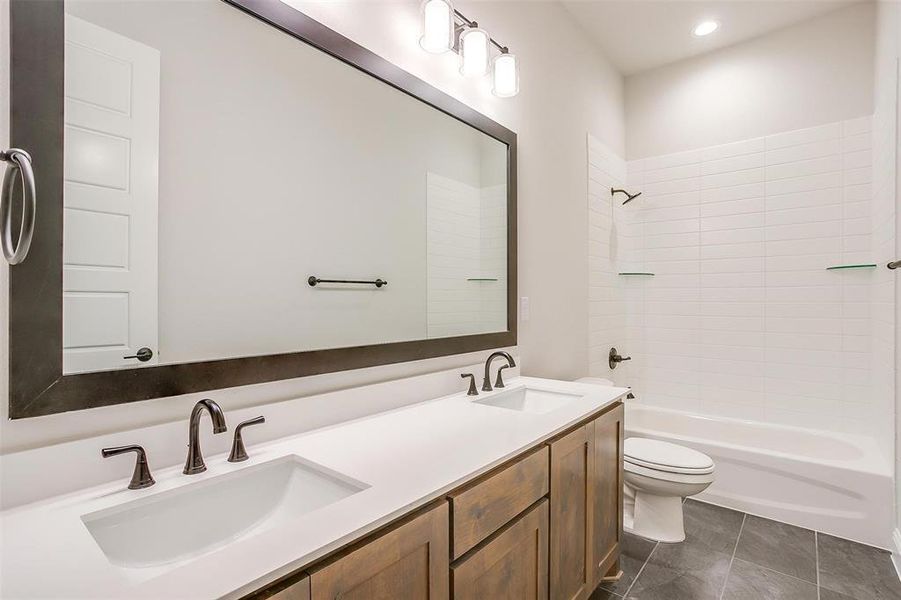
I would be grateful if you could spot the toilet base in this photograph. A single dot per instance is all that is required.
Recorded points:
(651, 516)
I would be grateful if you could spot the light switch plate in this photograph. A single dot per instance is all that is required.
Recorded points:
(524, 309)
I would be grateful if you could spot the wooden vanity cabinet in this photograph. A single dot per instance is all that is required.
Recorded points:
(409, 562)
(546, 524)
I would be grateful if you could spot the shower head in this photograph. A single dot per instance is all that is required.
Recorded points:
(629, 197)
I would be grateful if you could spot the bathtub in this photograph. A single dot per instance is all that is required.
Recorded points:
(835, 483)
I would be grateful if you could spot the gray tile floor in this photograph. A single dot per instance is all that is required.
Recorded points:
(728, 555)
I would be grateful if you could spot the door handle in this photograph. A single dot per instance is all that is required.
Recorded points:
(894, 264)
(143, 354)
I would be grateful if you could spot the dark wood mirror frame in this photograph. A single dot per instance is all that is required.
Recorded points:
(36, 381)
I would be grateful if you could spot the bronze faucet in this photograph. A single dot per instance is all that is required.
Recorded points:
(194, 463)
(486, 383)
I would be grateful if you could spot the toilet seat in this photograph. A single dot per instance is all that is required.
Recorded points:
(645, 455)
(668, 476)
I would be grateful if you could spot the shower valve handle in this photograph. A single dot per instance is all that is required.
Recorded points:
(614, 358)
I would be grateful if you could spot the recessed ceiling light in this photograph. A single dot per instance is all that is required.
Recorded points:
(705, 28)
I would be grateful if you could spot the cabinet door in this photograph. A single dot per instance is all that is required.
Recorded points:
(409, 562)
(512, 566)
(572, 464)
(607, 481)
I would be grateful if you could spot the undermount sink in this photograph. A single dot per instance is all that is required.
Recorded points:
(530, 400)
(197, 518)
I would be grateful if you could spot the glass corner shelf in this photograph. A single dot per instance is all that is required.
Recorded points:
(841, 267)
(481, 279)
(636, 273)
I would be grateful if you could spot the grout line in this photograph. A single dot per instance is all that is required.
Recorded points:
(759, 566)
(641, 570)
(816, 551)
(734, 550)
(766, 568)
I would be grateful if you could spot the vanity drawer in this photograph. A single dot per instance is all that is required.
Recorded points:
(480, 509)
(513, 564)
(296, 591)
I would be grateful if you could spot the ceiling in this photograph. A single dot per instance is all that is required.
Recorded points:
(637, 35)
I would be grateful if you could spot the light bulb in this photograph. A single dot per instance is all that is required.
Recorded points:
(506, 76)
(437, 26)
(705, 28)
(474, 52)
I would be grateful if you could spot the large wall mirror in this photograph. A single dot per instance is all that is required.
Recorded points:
(232, 193)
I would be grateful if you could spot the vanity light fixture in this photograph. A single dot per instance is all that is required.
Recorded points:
(446, 28)
(705, 28)
(437, 26)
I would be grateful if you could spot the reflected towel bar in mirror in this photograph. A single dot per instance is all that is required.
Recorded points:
(843, 267)
(313, 280)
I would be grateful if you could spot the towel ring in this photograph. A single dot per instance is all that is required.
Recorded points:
(19, 163)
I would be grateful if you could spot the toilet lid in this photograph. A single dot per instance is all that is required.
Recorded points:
(664, 456)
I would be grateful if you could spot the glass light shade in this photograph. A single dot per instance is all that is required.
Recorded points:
(474, 44)
(437, 26)
(506, 76)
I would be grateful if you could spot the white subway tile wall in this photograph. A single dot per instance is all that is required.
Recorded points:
(493, 258)
(742, 319)
(467, 250)
(606, 299)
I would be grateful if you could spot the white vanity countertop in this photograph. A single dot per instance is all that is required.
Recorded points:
(408, 457)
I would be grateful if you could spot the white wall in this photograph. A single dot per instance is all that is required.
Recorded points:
(551, 115)
(886, 247)
(819, 71)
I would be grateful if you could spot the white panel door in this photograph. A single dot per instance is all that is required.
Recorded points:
(111, 193)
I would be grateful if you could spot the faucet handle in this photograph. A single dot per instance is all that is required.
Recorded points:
(472, 384)
(239, 453)
(614, 358)
(141, 478)
(499, 382)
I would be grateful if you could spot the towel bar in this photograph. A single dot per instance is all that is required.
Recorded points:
(313, 280)
(19, 163)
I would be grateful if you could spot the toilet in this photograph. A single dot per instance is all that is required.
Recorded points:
(658, 475)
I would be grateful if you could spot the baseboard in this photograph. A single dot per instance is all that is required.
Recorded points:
(896, 551)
